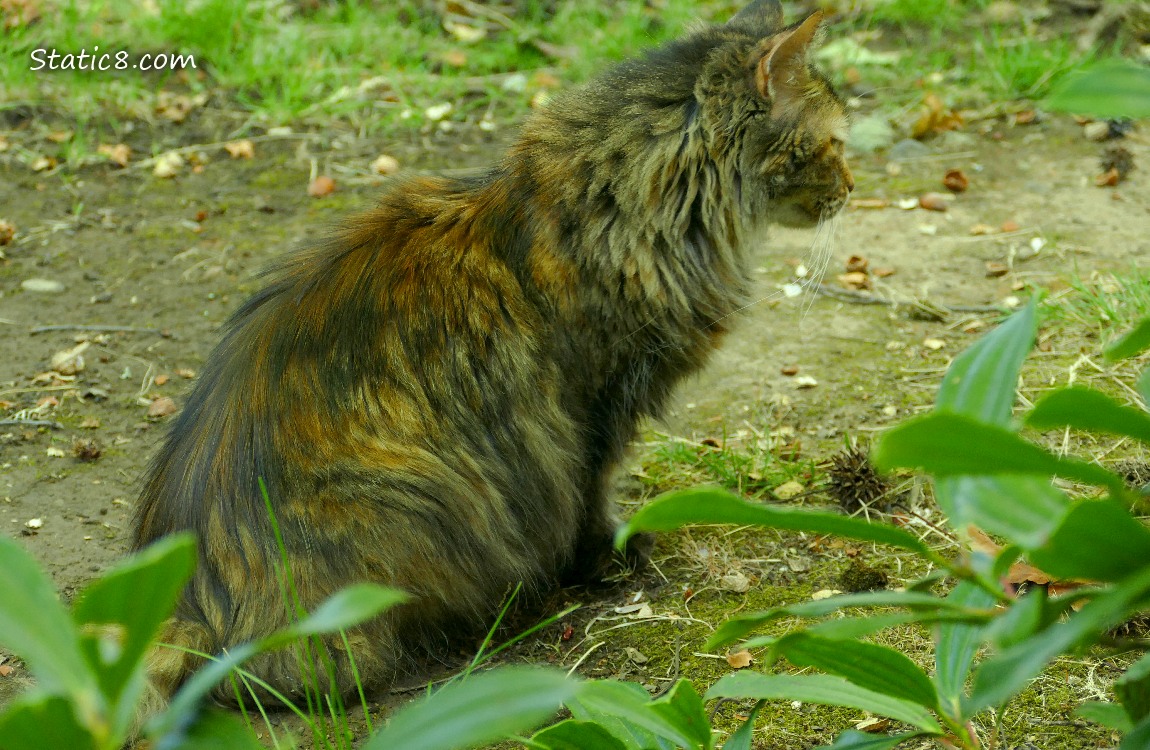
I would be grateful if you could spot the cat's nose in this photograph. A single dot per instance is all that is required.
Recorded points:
(850, 179)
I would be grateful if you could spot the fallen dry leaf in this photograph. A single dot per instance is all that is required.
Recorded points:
(5, 670)
(994, 269)
(934, 118)
(955, 181)
(735, 581)
(60, 136)
(185, 373)
(321, 186)
(55, 452)
(740, 659)
(455, 58)
(933, 344)
(90, 423)
(161, 379)
(43, 163)
(242, 149)
(176, 107)
(857, 264)
(162, 407)
(1025, 117)
(980, 229)
(869, 203)
(168, 165)
(119, 154)
(935, 201)
(7, 232)
(790, 370)
(854, 280)
(882, 273)
(1010, 226)
(788, 490)
(70, 361)
(385, 164)
(873, 725)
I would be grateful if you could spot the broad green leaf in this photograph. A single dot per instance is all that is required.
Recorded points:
(821, 688)
(679, 508)
(345, 608)
(1023, 509)
(167, 729)
(35, 626)
(738, 627)
(946, 444)
(632, 735)
(683, 707)
(741, 738)
(1086, 409)
(1138, 739)
(1005, 674)
(613, 698)
(867, 665)
(1098, 540)
(981, 381)
(42, 721)
(1143, 385)
(577, 735)
(1133, 689)
(155, 575)
(861, 627)
(1112, 88)
(1107, 714)
(855, 740)
(216, 729)
(1025, 617)
(484, 708)
(955, 647)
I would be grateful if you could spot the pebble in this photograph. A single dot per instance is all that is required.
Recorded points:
(46, 286)
(1099, 130)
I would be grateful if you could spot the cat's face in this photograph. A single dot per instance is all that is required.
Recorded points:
(791, 126)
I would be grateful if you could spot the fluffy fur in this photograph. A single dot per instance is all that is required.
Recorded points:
(436, 398)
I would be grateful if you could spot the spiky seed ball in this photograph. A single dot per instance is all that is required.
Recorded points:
(854, 482)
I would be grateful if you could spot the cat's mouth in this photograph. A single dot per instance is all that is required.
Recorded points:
(802, 215)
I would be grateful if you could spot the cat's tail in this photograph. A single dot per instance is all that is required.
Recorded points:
(172, 659)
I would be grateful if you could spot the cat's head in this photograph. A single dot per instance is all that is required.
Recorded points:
(767, 106)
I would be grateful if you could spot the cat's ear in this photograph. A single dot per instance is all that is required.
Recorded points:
(761, 16)
(782, 74)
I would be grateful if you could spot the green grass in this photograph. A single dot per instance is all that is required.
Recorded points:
(1109, 304)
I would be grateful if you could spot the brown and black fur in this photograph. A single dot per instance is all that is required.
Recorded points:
(436, 398)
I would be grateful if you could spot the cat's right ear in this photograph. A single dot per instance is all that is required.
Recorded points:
(761, 16)
(783, 75)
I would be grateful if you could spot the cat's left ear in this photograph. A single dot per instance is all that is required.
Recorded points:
(782, 75)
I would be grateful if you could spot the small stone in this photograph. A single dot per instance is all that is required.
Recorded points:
(1099, 130)
(34, 523)
(42, 286)
(788, 490)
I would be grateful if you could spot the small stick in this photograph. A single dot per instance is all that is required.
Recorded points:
(863, 298)
(114, 329)
(32, 423)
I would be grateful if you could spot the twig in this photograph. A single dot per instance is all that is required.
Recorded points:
(113, 329)
(32, 423)
(864, 298)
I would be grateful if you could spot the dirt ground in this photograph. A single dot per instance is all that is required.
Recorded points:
(171, 258)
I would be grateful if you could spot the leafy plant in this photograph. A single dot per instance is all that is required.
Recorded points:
(986, 476)
(89, 663)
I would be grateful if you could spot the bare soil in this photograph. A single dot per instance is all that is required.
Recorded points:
(174, 257)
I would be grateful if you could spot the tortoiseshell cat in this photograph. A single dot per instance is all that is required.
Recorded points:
(436, 398)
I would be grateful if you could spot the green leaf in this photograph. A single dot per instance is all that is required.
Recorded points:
(955, 647)
(1098, 540)
(981, 381)
(632, 735)
(42, 721)
(821, 688)
(1086, 409)
(1133, 689)
(484, 708)
(946, 444)
(155, 575)
(1143, 385)
(1107, 714)
(219, 730)
(35, 626)
(868, 665)
(1138, 739)
(1033, 511)
(616, 699)
(711, 505)
(683, 707)
(741, 738)
(855, 740)
(1004, 675)
(738, 627)
(1022, 619)
(861, 627)
(345, 608)
(577, 735)
(1112, 88)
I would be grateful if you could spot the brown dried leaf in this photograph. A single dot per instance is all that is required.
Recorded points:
(1010, 226)
(162, 407)
(321, 186)
(854, 280)
(242, 149)
(955, 181)
(740, 659)
(7, 232)
(857, 264)
(934, 118)
(119, 154)
(935, 201)
(60, 136)
(882, 273)
(994, 269)
(1109, 178)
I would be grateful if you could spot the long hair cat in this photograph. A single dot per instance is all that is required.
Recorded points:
(436, 397)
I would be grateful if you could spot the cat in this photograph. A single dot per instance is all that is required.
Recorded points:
(437, 396)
